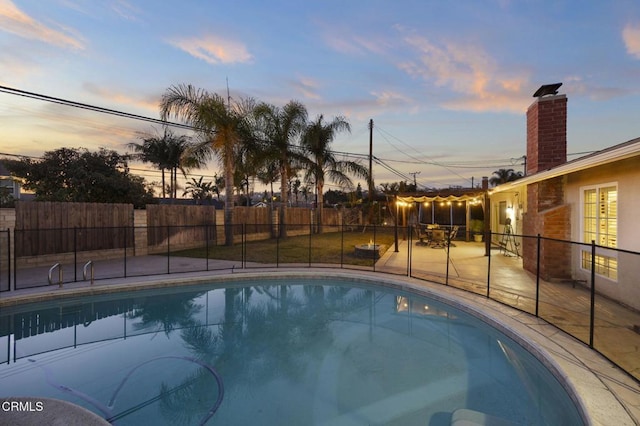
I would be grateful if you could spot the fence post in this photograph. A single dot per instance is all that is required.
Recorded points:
(406, 230)
(206, 244)
(395, 225)
(375, 250)
(593, 292)
(410, 253)
(342, 245)
(446, 277)
(168, 249)
(489, 275)
(538, 242)
(125, 251)
(75, 254)
(15, 258)
(310, 234)
(243, 249)
(9, 261)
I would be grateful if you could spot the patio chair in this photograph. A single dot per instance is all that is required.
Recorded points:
(438, 239)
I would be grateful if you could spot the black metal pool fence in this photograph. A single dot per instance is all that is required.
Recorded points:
(55, 257)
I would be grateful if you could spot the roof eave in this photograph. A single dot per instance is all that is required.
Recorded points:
(594, 160)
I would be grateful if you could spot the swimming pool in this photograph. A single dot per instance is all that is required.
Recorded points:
(291, 351)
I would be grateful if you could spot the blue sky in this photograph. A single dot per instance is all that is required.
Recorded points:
(446, 83)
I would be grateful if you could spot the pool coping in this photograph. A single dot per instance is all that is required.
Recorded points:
(603, 393)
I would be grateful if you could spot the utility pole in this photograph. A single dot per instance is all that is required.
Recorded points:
(415, 183)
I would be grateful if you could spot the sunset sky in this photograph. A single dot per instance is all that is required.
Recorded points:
(446, 83)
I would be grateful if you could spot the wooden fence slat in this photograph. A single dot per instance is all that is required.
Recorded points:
(50, 227)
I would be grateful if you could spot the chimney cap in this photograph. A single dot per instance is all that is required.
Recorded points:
(547, 89)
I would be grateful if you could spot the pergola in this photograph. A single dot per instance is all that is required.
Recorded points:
(471, 198)
(475, 196)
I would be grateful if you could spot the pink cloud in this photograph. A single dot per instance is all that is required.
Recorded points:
(308, 87)
(631, 37)
(126, 100)
(15, 21)
(468, 71)
(214, 49)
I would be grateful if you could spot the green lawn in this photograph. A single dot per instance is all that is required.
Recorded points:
(332, 247)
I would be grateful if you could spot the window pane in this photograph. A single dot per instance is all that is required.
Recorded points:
(600, 224)
(608, 215)
(605, 265)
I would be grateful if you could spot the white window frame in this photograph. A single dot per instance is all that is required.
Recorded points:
(600, 251)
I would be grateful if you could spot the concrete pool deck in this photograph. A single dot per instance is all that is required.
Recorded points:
(607, 394)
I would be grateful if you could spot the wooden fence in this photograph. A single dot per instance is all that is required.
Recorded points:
(255, 222)
(181, 226)
(53, 227)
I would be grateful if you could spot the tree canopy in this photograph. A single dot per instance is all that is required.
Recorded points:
(78, 175)
(321, 163)
(168, 152)
(503, 176)
(221, 126)
(281, 128)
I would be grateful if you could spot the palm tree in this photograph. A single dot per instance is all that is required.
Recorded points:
(295, 188)
(167, 152)
(280, 127)
(322, 163)
(180, 156)
(222, 127)
(250, 157)
(268, 174)
(305, 191)
(149, 151)
(503, 176)
(218, 185)
(199, 190)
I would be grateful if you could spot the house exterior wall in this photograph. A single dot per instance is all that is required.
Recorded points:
(13, 185)
(7, 222)
(508, 204)
(554, 207)
(549, 216)
(626, 175)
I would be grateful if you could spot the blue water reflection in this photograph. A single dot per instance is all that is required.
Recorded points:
(291, 353)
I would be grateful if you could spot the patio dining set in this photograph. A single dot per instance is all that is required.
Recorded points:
(434, 236)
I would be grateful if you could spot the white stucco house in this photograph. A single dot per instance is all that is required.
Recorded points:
(591, 198)
(10, 184)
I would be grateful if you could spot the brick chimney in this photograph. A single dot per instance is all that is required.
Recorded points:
(547, 212)
(546, 133)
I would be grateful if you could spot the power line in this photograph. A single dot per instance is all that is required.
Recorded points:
(415, 158)
(446, 165)
(381, 162)
(89, 107)
(391, 169)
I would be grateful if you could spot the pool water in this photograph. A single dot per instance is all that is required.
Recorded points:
(296, 352)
